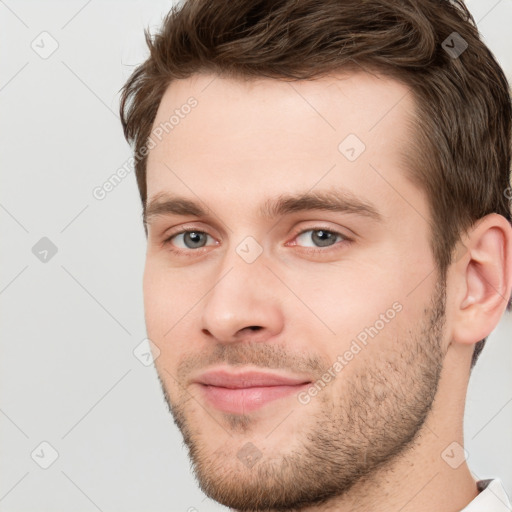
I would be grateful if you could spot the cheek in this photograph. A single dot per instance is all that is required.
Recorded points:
(168, 292)
(155, 299)
(170, 315)
(348, 293)
(366, 302)
(165, 301)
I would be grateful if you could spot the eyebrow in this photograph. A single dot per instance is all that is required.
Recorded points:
(341, 201)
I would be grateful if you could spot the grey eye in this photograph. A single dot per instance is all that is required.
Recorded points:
(190, 239)
(318, 238)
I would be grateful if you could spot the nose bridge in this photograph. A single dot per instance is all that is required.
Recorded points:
(241, 296)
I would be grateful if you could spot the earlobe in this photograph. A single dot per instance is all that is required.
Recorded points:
(484, 277)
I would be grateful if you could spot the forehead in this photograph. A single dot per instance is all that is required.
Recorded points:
(213, 133)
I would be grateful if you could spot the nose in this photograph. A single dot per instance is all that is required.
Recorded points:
(243, 304)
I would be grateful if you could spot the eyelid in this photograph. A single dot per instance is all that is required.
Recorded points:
(184, 228)
(300, 231)
(183, 231)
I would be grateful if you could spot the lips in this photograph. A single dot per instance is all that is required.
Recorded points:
(243, 392)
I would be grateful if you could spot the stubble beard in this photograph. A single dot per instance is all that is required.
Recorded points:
(378, 417)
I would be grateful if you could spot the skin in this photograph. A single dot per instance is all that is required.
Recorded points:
(374, 436)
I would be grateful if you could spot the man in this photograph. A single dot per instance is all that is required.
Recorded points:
(325, 189)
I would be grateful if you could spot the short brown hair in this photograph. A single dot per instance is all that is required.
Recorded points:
(461, 150)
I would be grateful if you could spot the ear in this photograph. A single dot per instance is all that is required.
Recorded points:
(481, 279)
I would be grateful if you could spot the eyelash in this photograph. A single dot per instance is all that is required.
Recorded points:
(311, 250)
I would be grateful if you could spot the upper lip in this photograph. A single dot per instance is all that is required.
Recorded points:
(246, 379)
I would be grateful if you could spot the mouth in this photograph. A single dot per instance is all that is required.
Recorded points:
(247, 391)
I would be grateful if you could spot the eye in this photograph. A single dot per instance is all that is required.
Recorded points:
(189, 239)
(318, 238)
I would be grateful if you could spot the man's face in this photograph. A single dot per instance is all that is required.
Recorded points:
(299, 320)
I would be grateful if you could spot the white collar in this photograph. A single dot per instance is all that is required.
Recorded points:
(492, 498)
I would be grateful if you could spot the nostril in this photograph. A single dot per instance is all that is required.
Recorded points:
(255, 327)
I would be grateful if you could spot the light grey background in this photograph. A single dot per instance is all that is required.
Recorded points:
(70, 325)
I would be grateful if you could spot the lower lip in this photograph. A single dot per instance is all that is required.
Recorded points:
(244, 400)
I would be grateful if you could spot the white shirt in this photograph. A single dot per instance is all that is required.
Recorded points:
(492, 498)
